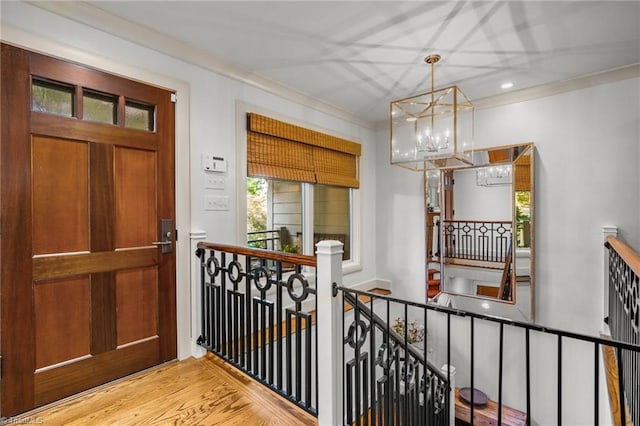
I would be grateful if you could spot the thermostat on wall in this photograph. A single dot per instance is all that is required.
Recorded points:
(213, 164)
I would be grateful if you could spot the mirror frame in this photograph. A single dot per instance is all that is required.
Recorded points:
(485, 304)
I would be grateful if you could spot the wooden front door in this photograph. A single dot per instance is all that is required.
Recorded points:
(86, 177)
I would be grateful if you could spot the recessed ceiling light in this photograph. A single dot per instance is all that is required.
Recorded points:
(507, 85)
(411, 119)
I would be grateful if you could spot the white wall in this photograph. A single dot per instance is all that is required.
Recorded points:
(587, 176)
(212, 112)
(474, 202)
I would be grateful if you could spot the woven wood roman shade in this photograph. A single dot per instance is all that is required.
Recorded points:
(522, 180)
(280, 150)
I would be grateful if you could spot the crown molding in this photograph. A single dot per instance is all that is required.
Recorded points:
(558, 87)
(549, 89)
(99, 19)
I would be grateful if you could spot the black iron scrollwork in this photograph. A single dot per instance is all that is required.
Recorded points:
(212, 266)
(304, 286)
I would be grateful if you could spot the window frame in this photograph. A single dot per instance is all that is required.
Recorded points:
(348, 266)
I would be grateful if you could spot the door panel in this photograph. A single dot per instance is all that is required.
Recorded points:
(137, 304)
(101, 196)
(62, 320)
(60, 208)
(81, 286)
(135, 197)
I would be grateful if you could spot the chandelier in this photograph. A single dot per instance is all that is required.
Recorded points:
(432, 130)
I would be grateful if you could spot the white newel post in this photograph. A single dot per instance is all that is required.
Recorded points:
(451, 370)
(197, 351)
(328, 327)
(607, 231)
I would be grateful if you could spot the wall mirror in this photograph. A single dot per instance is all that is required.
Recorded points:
(479, 223)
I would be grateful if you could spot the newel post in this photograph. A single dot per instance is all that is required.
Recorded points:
(607, 231)
(328, 323)
(450, 372)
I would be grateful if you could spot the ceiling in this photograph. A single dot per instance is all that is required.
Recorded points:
(358, 56)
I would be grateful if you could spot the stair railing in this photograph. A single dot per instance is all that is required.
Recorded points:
(259, 318)
(486, 241)
(262, 321)
(388, 381)
(624, 322)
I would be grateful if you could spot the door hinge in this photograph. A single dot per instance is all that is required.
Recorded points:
(175, 234)
(174, 98)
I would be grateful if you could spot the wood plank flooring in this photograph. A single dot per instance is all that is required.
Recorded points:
(205, 391)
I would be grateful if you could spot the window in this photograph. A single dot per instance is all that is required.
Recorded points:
(138, 116)
(99, 107)
(52, 98)
(278, 220)
(300, 187)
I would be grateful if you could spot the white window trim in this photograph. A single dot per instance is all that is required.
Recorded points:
(242, 108)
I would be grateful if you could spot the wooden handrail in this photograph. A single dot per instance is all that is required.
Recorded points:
(295, 258)
(627, 253)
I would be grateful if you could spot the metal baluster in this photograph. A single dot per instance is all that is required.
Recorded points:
(559, 380)
(501, 356)
(596, 383)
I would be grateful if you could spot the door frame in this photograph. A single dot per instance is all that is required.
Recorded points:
(185, 291)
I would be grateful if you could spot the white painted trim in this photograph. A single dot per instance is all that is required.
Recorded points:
(607, 231)
(550, 89)
(49, 47)
(195, 294)
(558, 87)
(92, 16)
(88, 14)
(329, 317)
(371, 284)
(198, 234)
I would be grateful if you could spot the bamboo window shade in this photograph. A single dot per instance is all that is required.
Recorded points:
(280, 150)
(522, 175)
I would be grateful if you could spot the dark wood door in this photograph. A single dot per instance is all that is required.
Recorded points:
(86, 176)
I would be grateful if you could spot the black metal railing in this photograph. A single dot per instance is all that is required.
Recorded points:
(462, 338)
(387, 380)
(266, 239)
(253, 317)
(487, 241)
(624, 322)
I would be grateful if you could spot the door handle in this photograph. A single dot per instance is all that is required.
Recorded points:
(166, 245)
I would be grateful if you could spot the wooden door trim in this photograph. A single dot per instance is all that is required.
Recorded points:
(51, 267)
(97, 369)
(15, 226)
(72, 128)
(15, 241)
(64, 71)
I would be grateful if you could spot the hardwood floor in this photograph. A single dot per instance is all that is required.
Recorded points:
(205, 391)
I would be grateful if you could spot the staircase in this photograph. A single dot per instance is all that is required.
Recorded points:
(433, 283)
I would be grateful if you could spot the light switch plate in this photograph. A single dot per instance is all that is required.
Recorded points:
(216, 202)
(215, 181)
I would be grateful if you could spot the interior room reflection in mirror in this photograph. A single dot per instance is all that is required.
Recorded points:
(479, 235)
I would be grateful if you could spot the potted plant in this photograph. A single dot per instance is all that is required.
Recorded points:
(287, 248)
(415, 331)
